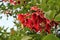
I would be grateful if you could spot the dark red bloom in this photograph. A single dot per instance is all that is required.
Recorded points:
(36, 21)
(53, 23)
(34, 17)
(48, 28)
(36, 27)
(29, 23)
(24, 2)
(18, 2)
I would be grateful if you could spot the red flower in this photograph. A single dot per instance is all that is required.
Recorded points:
(36, 21)
(36, 26)
(34, 17)
(48, 21)
(21, 18)
(11, 1)
(35, 8)
(14, 3)
(27, 14)
(47, 25)
(39, 19)
(48, 28)
(29, 23)
(53, 23)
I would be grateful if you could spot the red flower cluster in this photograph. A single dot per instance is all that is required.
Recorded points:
(35, 21)
(14, 2)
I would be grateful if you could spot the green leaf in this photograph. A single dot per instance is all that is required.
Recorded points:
(34, 2)
(37, 37)
(26, 38)
(44, 7)
(52, 14)
(57, 18)
(27, 6)
(50, 37)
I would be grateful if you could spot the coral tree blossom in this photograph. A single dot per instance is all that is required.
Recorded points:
(35, 20)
